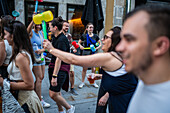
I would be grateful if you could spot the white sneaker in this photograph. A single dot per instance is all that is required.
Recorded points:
(81, 85)
(71, 110)
(45, 104)
(95, 85)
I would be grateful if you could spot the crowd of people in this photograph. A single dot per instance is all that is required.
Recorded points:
(134, 64)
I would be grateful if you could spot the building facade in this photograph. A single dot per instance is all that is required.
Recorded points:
(71, 10)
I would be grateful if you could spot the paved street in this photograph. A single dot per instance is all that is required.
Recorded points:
(85, 102)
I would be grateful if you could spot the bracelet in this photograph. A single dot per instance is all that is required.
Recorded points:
(55, 76)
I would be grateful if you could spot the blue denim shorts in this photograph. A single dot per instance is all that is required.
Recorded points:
(36, 64)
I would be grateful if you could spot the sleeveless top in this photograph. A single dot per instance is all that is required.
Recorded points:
(120, 85)
(8, 50)
(119, 81)
(119, 72)
(14, 72)
(36, 38)
(117, 85)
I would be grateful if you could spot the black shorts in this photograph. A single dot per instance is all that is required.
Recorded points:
(86, 52)
(3, 71)
(60, 79)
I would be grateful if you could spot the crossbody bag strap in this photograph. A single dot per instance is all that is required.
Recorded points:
(41, 42)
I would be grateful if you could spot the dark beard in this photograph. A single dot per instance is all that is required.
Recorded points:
(145, 63)
(65, 31)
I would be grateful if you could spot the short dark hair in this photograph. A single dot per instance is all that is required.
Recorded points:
(115, 38)
(159, 20)
(21, 38)
(57, 22)
(65, 21)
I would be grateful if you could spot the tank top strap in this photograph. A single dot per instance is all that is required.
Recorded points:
(116, 56)
(30, 59)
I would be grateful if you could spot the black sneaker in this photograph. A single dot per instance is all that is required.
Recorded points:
(73, 91)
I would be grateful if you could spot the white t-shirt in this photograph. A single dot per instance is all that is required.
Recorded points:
(151, 98)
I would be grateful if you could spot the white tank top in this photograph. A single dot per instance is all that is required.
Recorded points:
(118, 72)
(8, 50)
(14, 72)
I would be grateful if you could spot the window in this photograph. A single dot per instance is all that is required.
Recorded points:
(6, 7)
(42, 6)
(74, 17)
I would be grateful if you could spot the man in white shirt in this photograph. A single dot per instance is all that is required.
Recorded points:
(145, 48)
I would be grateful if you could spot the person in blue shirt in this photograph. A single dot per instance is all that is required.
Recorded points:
(36, 36)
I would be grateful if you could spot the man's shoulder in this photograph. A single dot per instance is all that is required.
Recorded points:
(150, 98)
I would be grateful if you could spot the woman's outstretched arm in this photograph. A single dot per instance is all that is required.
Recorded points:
(100, 59)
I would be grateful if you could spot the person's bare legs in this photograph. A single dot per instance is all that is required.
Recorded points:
(72, 90)
(72, 79)
(93, 69)
(39, 75)
(83, 77)
(37, 70)
(43, 71)
(60, 108)
(84, 73)
(57, 97)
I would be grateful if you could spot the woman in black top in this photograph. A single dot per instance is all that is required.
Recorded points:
(118, 86)
(85, 41)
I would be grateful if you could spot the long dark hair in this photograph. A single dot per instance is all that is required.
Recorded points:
(115, 38)
(21, 39)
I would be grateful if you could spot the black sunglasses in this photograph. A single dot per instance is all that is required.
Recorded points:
(106, 37)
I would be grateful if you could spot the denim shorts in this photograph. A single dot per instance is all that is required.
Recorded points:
(36, 64)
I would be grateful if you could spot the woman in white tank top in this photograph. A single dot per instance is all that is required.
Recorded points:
(20, 67)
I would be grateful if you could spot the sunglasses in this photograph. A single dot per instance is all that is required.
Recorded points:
(106, 37)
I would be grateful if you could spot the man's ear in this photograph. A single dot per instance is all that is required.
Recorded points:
(162, 45)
